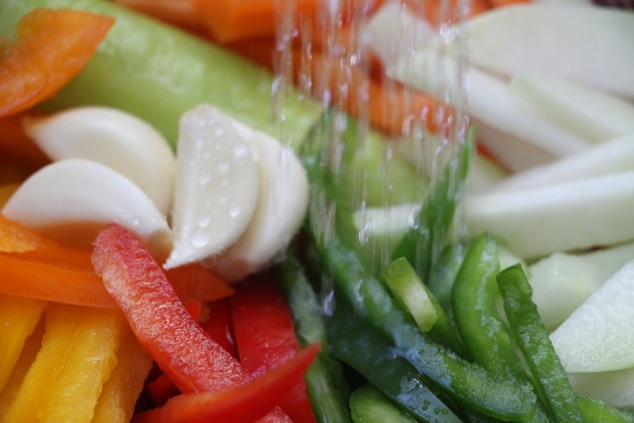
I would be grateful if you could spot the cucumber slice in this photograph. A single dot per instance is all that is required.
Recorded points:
(368, 405)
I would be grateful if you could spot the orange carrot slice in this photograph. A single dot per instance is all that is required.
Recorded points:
(232, 20)
(52, 47)
(32, 279)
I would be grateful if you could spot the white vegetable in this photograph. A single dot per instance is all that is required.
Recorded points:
(613, 156)
(114, 138)
(588, 113)
(519, 139)
(589, 45)
(562, 282)
(216, 186)
(72, 199)
(615, 388)
(281, 207)
(568, 216)
(599, 335)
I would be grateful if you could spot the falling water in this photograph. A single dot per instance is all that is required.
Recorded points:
(335, 67)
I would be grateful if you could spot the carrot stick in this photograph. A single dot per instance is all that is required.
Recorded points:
(52, 47)
(17, 150)
(232, 20)
(32, 279)
(176, 12)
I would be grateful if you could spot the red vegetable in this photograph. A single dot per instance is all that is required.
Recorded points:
(265, 338)
(246, 403)
(180, 347)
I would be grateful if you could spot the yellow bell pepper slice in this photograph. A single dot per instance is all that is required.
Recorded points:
(77, 356)
(18, 318)
(27, 357)
(121, 391)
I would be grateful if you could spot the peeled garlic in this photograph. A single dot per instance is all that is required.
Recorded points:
(72, 199)
(112, 137)
(280, 210)
(216, 186)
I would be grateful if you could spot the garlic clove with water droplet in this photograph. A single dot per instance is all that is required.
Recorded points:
(112, 137)
(280, 210)
(72, 199)
(216, 186)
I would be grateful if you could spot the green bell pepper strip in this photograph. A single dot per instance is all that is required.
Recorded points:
(401, 273)
(468, 383)
(423, 243)
(335, 237)
(595, 411)
(158, 72)
(368, 405)
(325, 384)
(527, 328)
(474, 297)
(369, 353)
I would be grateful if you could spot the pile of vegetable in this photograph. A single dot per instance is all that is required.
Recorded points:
(371, 211)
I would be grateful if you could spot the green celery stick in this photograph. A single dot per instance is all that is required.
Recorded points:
(158, 72)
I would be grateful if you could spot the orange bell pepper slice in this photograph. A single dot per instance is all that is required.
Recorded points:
(52, 47)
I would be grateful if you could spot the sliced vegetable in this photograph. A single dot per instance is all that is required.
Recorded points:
(475, 296)
(326, 386)
(265, 338)
(231, 20)
(112, 137)
(216, 186)
(282, 201)
(77, 207)
(192, 360)
(27, 356)
(120, 393)
(539, 221)
(50, 282)
(18, 319)
(157, 73)
(243, 404)
(595, 336)
(368, 405)
(531, 38)
(550, 379)
(368, 352)
(16, 237)
(408, 291)
(52, 47)
(77, 356)
(194, 282)
(589, 113)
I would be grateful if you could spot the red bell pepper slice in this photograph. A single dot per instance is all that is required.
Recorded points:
(243, 404)
(180, 347)
(265, 337)
(218, 325)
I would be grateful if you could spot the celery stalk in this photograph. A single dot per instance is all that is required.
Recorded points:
(157, 72)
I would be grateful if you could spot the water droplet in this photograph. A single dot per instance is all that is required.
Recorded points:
(204, 219)
(235, 211)
(223, 167)
(219, 131)
(240, 150)
(204, 178)
(200, 238)
(222, 200)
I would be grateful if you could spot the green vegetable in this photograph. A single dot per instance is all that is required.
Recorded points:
(414, 297)
(368, 405)
(466, 382)
(595, 411)
(424, 242)
(368, 352)
(527, 328)
(410, 294)
(158, 72)
(474, 297)
(325, 384)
